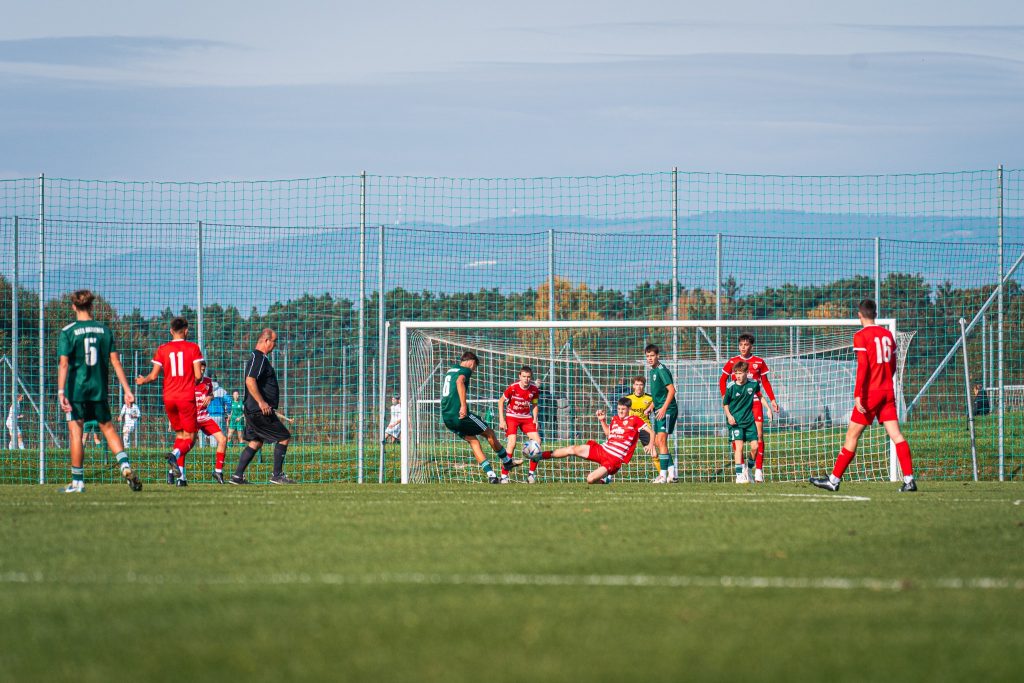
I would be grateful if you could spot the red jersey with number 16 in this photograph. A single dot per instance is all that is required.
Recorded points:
(521, 401)
(176, 359)
(876, 363)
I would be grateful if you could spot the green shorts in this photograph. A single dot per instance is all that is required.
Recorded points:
(90, 410)
(471, 425)
(666, 426)
(238, 425)
(743, 433)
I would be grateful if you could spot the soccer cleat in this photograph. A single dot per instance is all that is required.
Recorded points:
(181, 482)
(172, 464)
(759, 476)
(750, 464)
(743, 478)
(671, 480)
(282, 479)
(131, 479)
(218, 477)
(824, 483)
(504, 479)
(170, 478)
(908, 487)
(238, 481)
(660, 479)
(531, 478)
(493, 480)
(511, 463)
(609, 478)
(75, 487)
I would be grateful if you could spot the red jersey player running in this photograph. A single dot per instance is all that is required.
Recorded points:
(758, 372)
(521, 414)
(179, 360)
(617, 450)
(208, 426)
(874, 397)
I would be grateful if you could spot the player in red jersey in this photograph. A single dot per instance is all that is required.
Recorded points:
(207, 425)
(758, 372)
(617, 450)
(874, 398)
(521, 414)
(179, 360)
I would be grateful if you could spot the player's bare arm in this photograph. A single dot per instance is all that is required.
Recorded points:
(254, 391)
(460, 386)
(603, 421)
(62, 379)
(501, 412)
(728, 415)
(769, 410)
(115, 362)
(151, 377)
(648, 444)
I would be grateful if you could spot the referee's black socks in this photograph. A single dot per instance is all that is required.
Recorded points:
(279, 450)
(244, 459)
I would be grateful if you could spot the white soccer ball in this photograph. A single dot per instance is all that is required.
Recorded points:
(532, 449)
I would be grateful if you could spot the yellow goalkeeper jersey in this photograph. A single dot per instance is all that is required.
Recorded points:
(639, 405)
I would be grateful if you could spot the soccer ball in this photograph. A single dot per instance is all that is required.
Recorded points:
(532, 450)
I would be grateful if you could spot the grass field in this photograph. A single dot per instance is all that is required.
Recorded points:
(551, 582)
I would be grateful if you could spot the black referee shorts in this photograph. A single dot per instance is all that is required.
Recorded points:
(265, 428)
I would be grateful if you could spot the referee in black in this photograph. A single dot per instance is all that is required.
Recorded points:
(261, 421)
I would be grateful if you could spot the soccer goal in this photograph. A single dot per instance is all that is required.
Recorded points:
(582, 366)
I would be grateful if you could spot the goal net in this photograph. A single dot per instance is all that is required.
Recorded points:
(583, 366)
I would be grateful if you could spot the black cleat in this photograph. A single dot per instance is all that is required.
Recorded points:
(131, 479)
(493, 480)
(909, 487)
(170, 479)
(218, 477)
(237, 480)
(181, 482)
(282, 479)
(511, 463)
(824, 483)
(172, 464)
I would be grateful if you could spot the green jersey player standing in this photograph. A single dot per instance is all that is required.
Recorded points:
(738, 404)
(457, 418)
(666, 412)
(86, 350)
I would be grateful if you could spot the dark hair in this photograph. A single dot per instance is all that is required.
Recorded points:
(747, 337)
(639, 378)
(625, 402)
(178, 324)
(651, 347)
(82, 299)
(469, 355)
(868, 309)
(526, 368)
(742, 365)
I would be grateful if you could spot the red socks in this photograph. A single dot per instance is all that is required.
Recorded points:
(759, 458)
(219, 465)
(842, 462)
(183, 446)
(903, 455)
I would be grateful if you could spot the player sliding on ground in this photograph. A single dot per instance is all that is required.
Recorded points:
(738, 403)
(758, 371)
(457, 418)
(86, 351)
(179, 360)
(641, 404)
(666, 413)
(874, 397)
(617, 450)
(522, 414)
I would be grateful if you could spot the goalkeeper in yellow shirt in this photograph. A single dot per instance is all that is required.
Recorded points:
(641, 404)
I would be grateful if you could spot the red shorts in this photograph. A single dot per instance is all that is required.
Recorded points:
(881, 408)
(525, 423)
(602, 457)
(758, 409)
(209, 427)
(182, 415)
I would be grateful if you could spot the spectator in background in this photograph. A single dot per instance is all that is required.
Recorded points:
(13, 415)
(236, 417)
(129, 418)
(393, 432)
(981, 404)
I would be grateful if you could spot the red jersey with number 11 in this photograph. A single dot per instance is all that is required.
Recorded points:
(176, 359)
(876, 363)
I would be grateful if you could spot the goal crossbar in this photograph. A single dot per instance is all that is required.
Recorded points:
(408, 326)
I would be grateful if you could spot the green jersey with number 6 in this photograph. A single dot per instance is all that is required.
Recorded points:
(450, 403)
(88, 345)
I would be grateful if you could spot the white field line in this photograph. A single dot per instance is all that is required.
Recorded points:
(534, 580)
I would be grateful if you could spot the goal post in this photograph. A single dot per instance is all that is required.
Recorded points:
(812, 369)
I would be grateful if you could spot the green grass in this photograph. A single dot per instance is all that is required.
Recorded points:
(479, 583)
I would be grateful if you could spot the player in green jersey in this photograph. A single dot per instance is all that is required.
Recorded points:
(86, 350)
(236, 420)
(738, 404)
(457, 418)
(666, 413)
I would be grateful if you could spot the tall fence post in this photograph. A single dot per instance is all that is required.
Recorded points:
(14, 338)
(878, 276)
(970, 399)
(199, 284)
(984, 354)
(360, 395)
(718, 295)
(41, 410)
(382, 351)
(551, 310)
(675, 261)
(999, 332)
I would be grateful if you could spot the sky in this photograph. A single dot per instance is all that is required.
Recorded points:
(225, 89)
